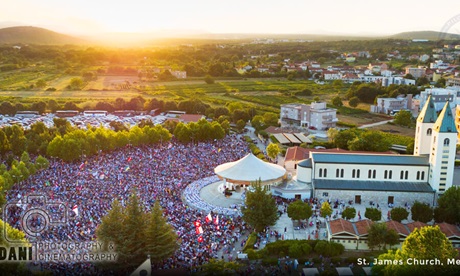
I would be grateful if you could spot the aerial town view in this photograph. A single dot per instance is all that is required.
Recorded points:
(229, 138)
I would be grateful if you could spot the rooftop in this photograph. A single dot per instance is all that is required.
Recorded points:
(371, 159)
(368, 185)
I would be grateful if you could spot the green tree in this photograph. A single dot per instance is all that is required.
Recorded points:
(258, 122)
(76, 84)
(299, 210)
(404, 118)
(332, 135)
(343, 137)
(219, 267)
(349, 213)
(337, 84)
(133, 231)
(240, 125)
(373, 214)
(41, 163)
(421, 212)
(161, 239)
(271, 119)
(17, 140)
(353, 102)
(376, 235)
(448, 209)
(426, 243)
(4, 143)
(369, 141)
(273, 150)
(25, 157)
(399, 214)
(40, 83)
(326, 210)
(260, 210)
(208, 79)
(337, 101)
(11, 268)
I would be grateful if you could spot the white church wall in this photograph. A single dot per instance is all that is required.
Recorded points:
(377, 197)
(414, 173)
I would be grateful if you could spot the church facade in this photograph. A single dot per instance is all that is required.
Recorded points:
(389, 179)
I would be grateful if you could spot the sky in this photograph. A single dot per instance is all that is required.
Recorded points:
(357, 17)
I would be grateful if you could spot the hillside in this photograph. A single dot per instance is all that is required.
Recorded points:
(34, 35)
(430, 35)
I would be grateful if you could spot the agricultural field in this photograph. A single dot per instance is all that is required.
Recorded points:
(265, 95)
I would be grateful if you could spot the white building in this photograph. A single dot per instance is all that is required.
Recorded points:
(316, 115)
(416, 72)
(389, 179)
(440, 96)
(179, 74)
(388, 105)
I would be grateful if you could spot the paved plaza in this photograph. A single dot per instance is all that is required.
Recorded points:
(213, 196)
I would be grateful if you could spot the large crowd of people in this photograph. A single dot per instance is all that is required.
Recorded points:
(158, 172)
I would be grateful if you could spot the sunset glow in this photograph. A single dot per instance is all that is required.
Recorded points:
(238, 16)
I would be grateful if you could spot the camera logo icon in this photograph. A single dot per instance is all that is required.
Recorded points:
(33, 215)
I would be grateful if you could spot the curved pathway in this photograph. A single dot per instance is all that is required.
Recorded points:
(204, 195)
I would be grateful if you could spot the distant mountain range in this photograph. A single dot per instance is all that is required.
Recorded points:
(35, 35)
(430, 35)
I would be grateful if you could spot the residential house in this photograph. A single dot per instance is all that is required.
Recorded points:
(416, 72)
(377, 67)
(353, 235)
(316, 115)
(391, 105)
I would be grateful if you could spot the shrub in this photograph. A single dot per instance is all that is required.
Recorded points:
(252, 239)
(252, 254)
(295, 251)
(329, 248)
(270, 261)
(306, 248)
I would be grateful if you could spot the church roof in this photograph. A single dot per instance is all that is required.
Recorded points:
(428, 113)
(305, 163)
(445, 121)
(250, 168)
(368, 185)
(374, 159)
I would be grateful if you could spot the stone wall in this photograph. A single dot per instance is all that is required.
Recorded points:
(380, 197)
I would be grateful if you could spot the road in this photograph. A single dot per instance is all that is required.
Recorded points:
(375, 124)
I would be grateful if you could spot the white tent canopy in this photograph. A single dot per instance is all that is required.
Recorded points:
(249, 169)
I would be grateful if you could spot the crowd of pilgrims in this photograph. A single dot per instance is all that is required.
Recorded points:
(159, 172)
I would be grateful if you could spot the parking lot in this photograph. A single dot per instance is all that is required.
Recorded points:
(80, 121)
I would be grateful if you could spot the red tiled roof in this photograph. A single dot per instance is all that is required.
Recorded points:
(296, 153)
(449, 230)
(415, 224)
(340, 226)
(187, 118)
(398, 227)
(363, 226)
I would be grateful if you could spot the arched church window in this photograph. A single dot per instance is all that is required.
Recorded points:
(446, 142)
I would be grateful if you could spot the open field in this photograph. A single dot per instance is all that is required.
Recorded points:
(265, 95)
(395, 129)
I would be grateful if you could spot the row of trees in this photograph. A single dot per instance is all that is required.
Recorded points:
(20, 170)
(199, 132)
(78, 143)
(366, 140)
